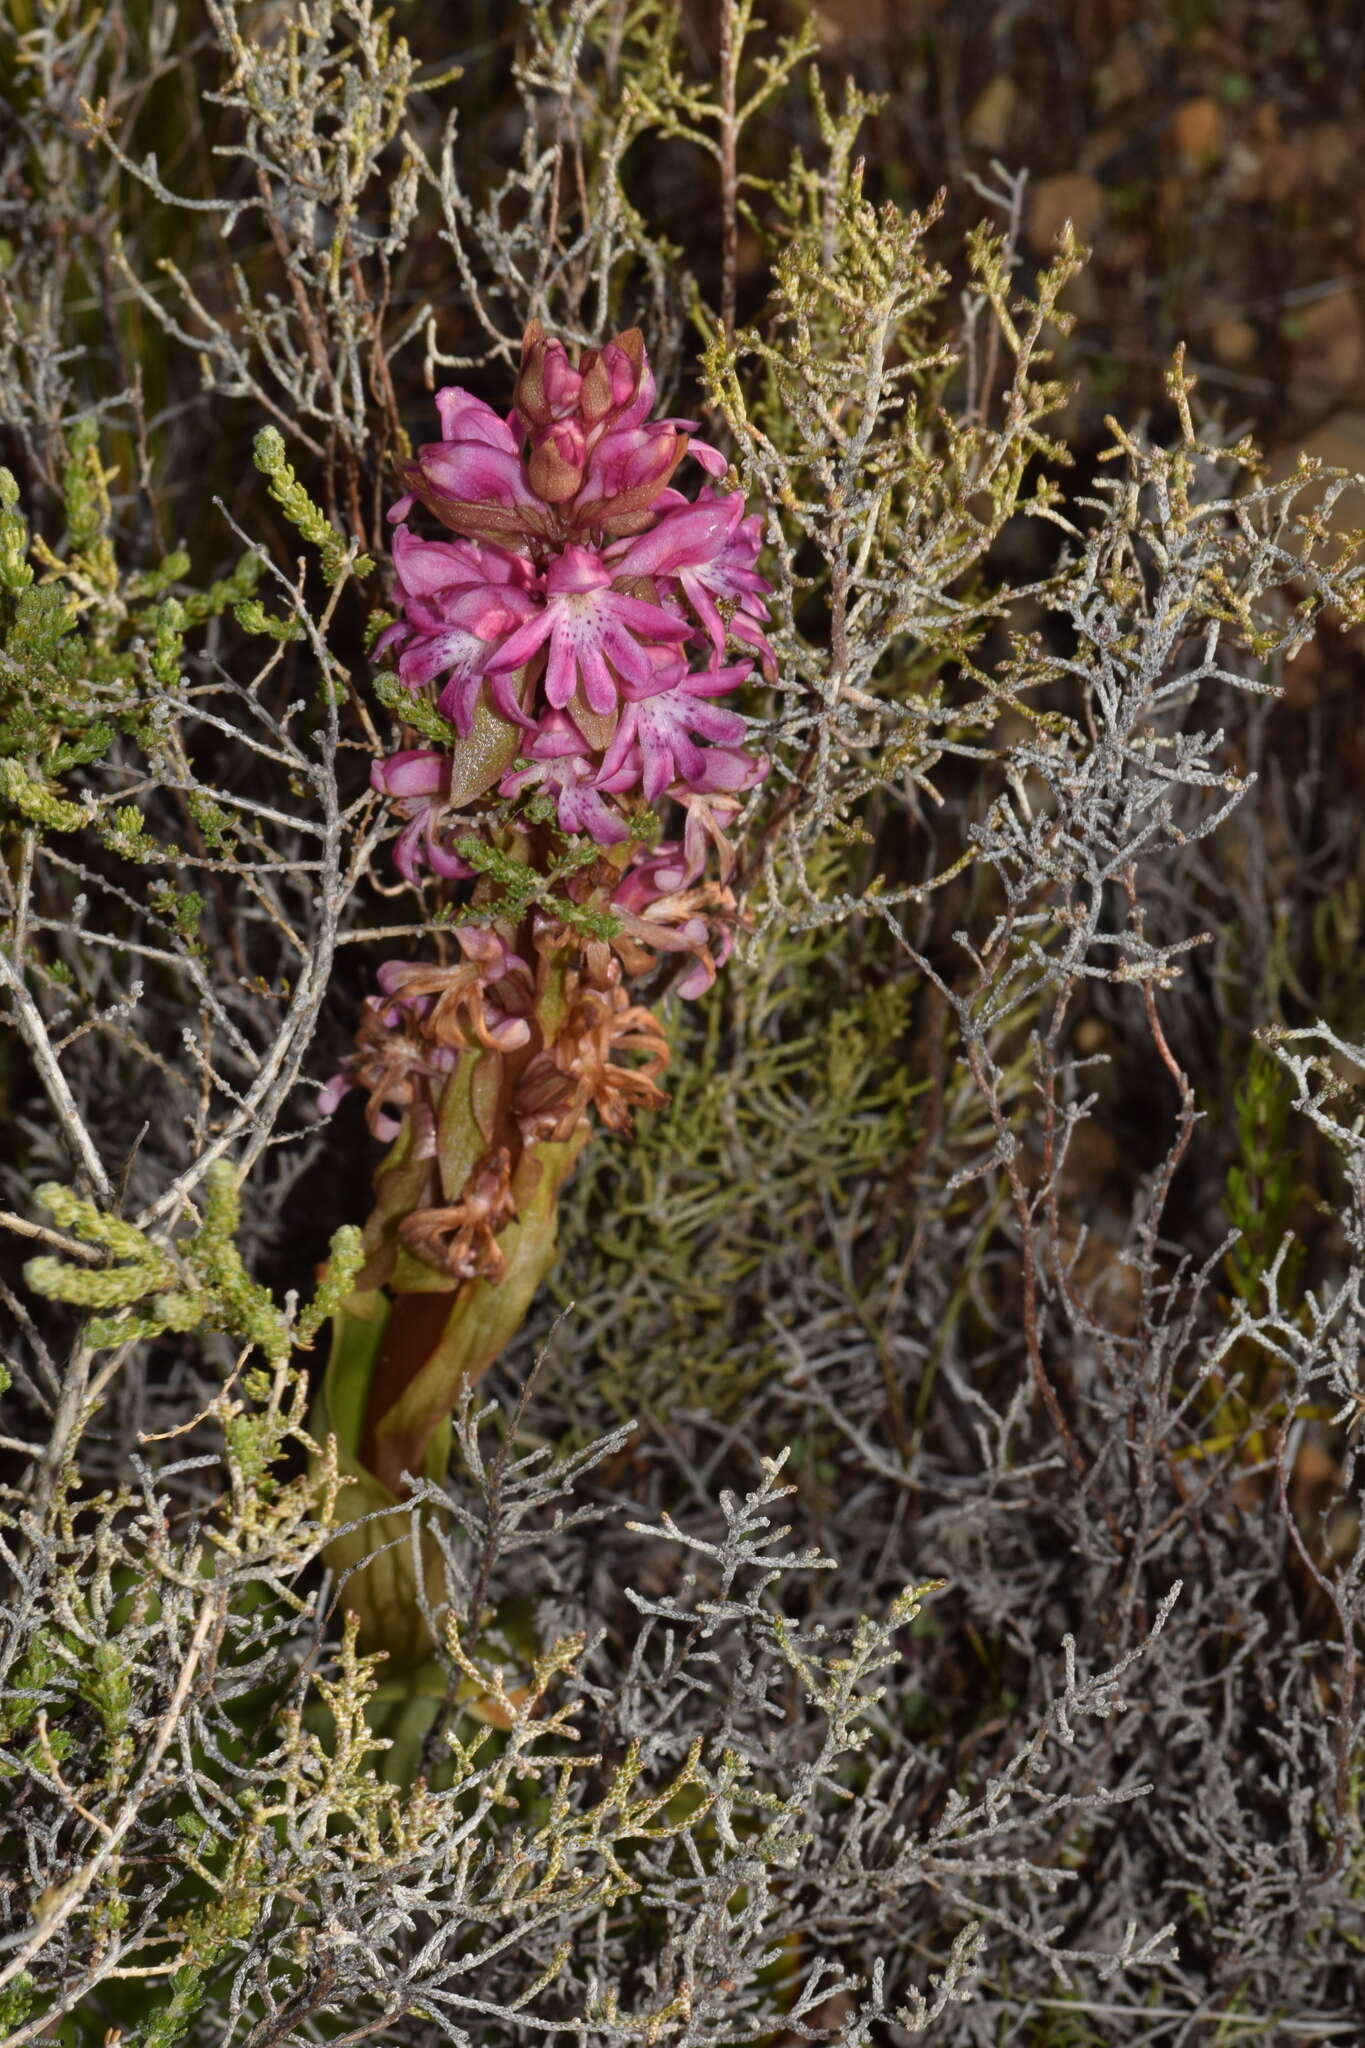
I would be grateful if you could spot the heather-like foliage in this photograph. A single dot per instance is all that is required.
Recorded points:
(901, 1572)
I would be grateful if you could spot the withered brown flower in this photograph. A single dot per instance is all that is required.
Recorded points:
(462, 1239)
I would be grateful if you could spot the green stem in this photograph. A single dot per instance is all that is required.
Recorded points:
(472, 1329)
(375, 1560)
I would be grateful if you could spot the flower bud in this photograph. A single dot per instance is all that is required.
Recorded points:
(548, 387)
(618, 386)
(622, 372)
(595, 398)
(555, 469)
(562, 382)
(626, 471)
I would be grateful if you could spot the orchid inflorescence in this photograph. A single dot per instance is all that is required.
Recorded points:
(571, 629)
(561, 626)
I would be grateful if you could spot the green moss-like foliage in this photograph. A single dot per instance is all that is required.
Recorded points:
(197, 1283)
(87, 644)
(792, 1085)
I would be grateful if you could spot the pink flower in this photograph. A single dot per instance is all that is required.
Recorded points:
(710, 549)
(661, 871)
(662, 913)
(707, 962)
(708, 815)
(662, 729)
(726, 769)
(451, 623)
(424, 568)
(466, 418)
(568, 602)
(710, 458)
(476, 490)
(618, 391)
(589, 624)
(417, 779)
(559, 761)
(473, 478)
(626, 470)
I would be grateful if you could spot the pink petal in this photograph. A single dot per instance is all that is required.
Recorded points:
(698, 978)
(424, 566)
(515, 781)
(622, 778)
(443, 861)
(576, 571)
(742, 627)
(502, 694)
(680, 540)
(598, 687)
(629, 459)
(711, 459)
(466, 418)
(667, 669)
(713, 723)
(458, 699)
(392, 636)
(699, 597)
(561, 674)
(339, 1085)
(718, 682)
(557, 738)
(406, 853)
(687, 756)
(454, 653)
(658, 766)
(474, 474)
(517, 651)
(413, 771)
(730, 769)
(650, 621)
(625, 653)
(582, 810)
(621, 744)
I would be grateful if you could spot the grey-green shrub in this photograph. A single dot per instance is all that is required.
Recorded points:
(680, 1772)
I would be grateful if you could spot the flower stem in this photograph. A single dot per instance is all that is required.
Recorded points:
(437, 1345)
